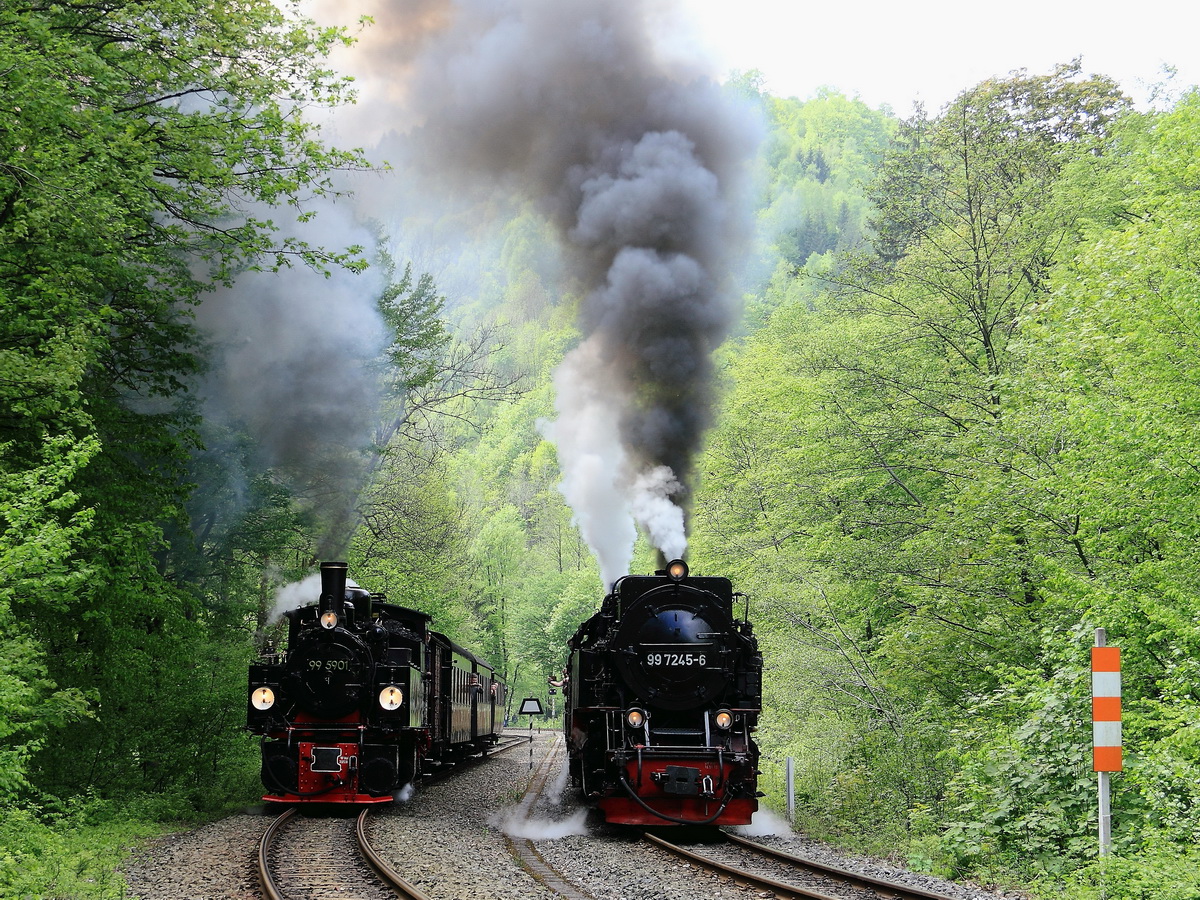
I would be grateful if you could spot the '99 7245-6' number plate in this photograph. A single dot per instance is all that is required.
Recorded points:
(675, 659)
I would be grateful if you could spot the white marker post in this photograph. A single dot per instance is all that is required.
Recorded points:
(1106, 727)
(790, 778)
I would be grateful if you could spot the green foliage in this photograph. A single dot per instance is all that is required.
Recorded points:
(39, 524)
(72, 852)
(943, 472)
(1162, 870)
(135, 139)
(1024, 792)
(819, 155)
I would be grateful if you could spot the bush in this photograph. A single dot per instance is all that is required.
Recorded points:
(65, 856)
(1160, 871)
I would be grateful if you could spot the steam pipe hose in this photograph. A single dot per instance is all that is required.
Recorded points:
(677, 820)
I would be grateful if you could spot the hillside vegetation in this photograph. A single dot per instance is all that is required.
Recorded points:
(956, 434)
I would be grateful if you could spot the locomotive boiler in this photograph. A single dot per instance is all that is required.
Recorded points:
(662, 699)
(365, 699)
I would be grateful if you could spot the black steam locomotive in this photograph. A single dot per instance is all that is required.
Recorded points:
(366, 699)
(663, 694)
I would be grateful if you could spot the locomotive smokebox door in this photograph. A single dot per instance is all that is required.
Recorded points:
(682, 780)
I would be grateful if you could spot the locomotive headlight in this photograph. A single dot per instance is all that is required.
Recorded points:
(635, 718)
(391, 697)
(329, 620)
(262, 698)
(724, 719)
(677, 570)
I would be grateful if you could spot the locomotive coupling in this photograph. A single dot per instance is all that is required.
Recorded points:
(684, 781)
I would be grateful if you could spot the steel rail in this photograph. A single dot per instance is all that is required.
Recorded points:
(386, 872)
(265, 879)
(746, 877)
(507, 744)
(858, 879)
(523, 849)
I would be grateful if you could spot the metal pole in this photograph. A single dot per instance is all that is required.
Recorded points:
(791, 789)
(1104, 786)
(1105, 814)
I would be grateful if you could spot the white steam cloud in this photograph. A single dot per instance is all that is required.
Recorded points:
(654, 510)
(295, 595)
(514, 824)
(765, 822)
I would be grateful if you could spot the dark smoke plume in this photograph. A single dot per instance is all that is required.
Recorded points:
(587, 108)
(639, 161)
(291, 355)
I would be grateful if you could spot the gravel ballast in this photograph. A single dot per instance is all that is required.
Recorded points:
(449, 838)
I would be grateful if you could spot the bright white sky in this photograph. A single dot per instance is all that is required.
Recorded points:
(899, 52)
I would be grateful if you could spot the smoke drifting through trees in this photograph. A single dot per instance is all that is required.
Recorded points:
(638, 162)
(290, 364)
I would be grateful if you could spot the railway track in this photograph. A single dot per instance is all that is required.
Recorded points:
(790, 875)
(523, 849)
(325, 856)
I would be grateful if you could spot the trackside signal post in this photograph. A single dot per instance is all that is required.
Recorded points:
(531, 706)
(1106, 727)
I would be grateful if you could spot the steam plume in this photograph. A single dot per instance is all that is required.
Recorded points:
(638, 161)
(294, 595)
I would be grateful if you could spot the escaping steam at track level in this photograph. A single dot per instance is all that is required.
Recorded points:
(638, 160)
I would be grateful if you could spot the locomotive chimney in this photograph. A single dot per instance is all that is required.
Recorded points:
(333, 588)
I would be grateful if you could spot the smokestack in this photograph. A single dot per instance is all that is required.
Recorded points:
(333, 588)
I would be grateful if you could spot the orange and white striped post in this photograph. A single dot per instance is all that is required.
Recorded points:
(1106, 727)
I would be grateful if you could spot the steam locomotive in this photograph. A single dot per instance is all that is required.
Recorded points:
(663, 693)
(366, 699)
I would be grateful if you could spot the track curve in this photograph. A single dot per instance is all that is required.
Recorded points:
(795, 869)
(325, 862)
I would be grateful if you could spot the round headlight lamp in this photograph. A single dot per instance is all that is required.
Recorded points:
(391, 697)
(329, 620)
(262, 698)
(724, 719)
(635, 718)
(677, 570)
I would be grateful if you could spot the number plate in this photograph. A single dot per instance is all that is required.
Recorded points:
(694, 656)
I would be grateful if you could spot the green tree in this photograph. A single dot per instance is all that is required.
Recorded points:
(135, 141)
(1111, 357)
(875, 457)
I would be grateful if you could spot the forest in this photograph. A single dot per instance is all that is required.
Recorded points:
(954, 429)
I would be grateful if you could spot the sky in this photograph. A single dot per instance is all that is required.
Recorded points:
(930, 50)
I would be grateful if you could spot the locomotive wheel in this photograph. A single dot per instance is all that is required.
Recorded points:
(279, 771)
